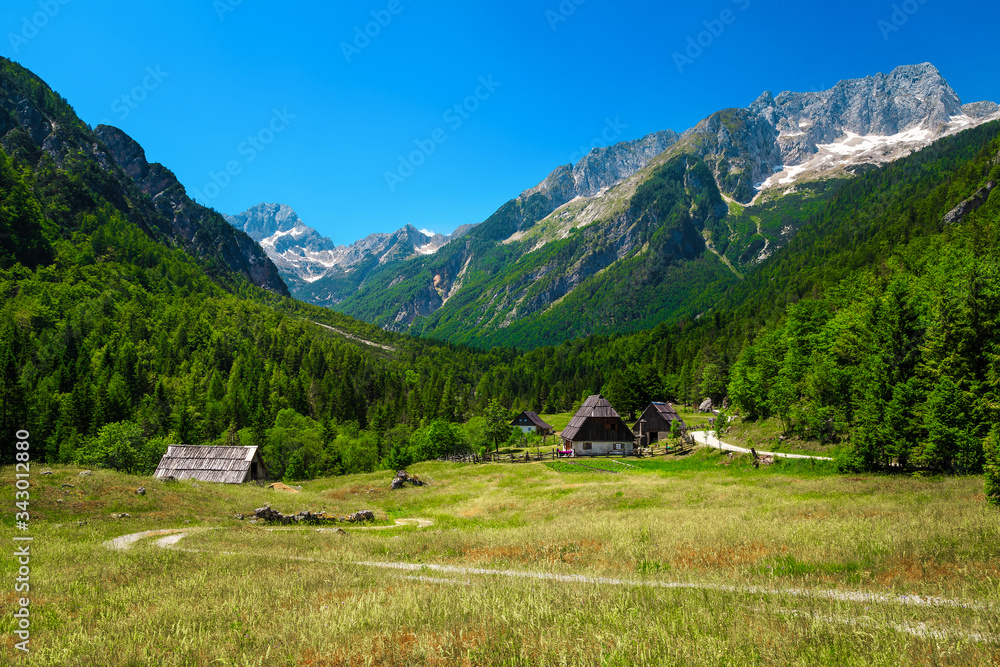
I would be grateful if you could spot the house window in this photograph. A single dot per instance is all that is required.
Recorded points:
(619, 447)
(588, 445)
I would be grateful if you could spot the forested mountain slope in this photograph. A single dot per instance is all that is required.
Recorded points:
(546, 269)
(81, 170)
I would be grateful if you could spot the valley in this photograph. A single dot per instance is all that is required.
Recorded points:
(821, 268)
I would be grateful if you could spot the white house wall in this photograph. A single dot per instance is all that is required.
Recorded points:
(602, 448)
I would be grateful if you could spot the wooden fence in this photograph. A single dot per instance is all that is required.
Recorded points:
(552, 455)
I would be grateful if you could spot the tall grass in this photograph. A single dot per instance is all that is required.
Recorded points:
(762, 551)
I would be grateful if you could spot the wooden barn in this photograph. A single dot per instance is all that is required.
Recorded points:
(597, 429)
(530, 422)
(226, 465)
(656, 423)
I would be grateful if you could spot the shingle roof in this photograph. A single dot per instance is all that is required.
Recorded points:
(662, 411)
(667, 411)
(228, 465)
(534, 419)
(594, 406)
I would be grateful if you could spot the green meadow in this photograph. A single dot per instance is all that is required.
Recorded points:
(693, 560)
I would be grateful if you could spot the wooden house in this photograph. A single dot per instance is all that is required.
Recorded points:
(530, 422)
(597, 429)
(656, 423)
(227, 465)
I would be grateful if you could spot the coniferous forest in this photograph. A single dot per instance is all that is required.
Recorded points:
(876, 329)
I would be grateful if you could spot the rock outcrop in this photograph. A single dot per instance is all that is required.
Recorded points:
(269, 515)
(202, 230)
(41, 130)
(602, 168)
(403, 478)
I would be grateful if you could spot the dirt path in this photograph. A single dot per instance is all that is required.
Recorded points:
(358, 339)
(709, 439)
(125, 542)
(419, 523)
(421, 570)
(176, 535)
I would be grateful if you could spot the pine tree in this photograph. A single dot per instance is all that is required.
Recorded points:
(992, 450)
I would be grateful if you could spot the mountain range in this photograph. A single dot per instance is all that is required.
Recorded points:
(635, 233)
(859, 305)
(305, 257)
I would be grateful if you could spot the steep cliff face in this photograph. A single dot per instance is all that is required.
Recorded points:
(203, 231)
(883, 104)
(430, 268)
(39, 129)
(601, 168)
(860, 122)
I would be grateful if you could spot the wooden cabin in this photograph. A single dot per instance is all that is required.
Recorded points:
(659, 420)
(226, 465)
(597, 429)
(530, 422)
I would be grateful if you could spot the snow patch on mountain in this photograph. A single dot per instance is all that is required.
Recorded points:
(303, 256)
(852, 149)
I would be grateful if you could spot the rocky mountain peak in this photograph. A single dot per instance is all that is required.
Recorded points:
(981, 109)
(872, 120)
(127, 152)
(765, 101)
(602, 168)
(881, 104)
(305, 257)
(264, 220)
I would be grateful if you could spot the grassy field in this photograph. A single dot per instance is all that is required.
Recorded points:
(694, 560)
(558, 421)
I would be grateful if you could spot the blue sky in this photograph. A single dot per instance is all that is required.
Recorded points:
(250, 101)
